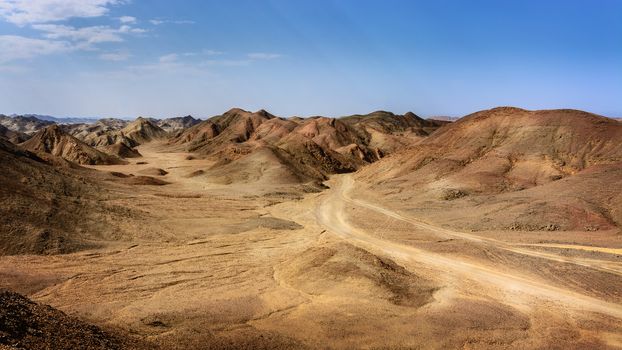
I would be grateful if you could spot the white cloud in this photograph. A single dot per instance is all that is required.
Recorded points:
(263, 56)
(22, 12)
(157, 22)
(212, 58)
(203, 52)
(166, 64)
(115, 56)
(127, 29)
(183, 21)
(90, 35)
(40, 15)
(127, 19)
(179, 63)
(15, 47)
(85, 37)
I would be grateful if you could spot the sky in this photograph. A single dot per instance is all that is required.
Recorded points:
(161, 58)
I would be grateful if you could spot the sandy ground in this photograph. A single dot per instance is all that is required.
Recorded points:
(259, 265)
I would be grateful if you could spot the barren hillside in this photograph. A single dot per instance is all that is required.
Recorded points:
(13, 136)
(55, 141)
(59, 204)
(247, 144)
(505, 155)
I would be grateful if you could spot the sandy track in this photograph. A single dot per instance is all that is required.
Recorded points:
(605, 266)
(513, 286)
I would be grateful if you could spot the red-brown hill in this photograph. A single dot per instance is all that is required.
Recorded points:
(499, 155)
(250, 146)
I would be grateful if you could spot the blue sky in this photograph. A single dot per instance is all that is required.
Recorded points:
(166, 58)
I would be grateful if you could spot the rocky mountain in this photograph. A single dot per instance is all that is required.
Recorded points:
(248, 144)
(443, 118)
(515, 148)
(59, 120)
(121, 150)
(176, 124)
(506, 153)
(104, 132)
(53, 140)
(142, 130)
(113, 123)
(117, 137)
(23, 124)
(388, 132)
(13, 136)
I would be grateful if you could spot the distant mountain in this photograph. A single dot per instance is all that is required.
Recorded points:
(173, 124)
(60, 120)
(102, 133)
(176, 124)
(108, 132)
(443, 118)
(386, 132)
(23, 124)
(115, 123)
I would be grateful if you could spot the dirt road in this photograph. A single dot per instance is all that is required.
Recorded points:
(517, 289)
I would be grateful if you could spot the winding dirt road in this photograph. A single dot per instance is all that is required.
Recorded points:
(513, 288)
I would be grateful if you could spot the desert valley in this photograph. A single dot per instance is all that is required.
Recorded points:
(501, 229)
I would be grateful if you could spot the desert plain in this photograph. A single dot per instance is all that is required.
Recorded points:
(499, 230)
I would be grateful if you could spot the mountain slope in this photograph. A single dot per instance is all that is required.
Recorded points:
(45, 209)
(500, 157)
(507, 149)
(13, 136)
(142, 130)
(306, 149)
(107, 132)
(104, 132)
(387, 132)
(55, 141)
(121, 150)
